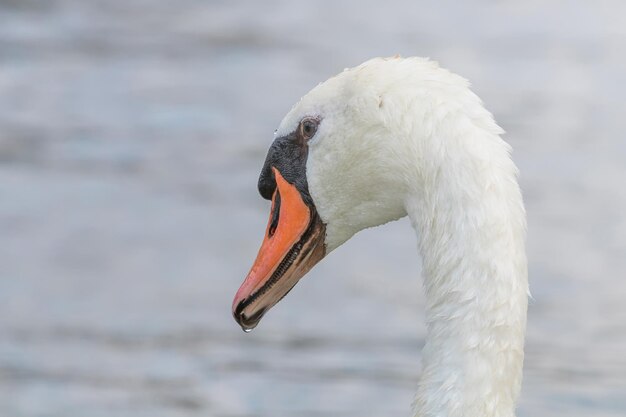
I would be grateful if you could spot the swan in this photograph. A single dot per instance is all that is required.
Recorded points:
(389, 138)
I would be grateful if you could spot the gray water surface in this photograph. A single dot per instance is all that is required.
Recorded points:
(131, 137)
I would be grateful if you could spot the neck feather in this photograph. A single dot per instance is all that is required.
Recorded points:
(470, 223)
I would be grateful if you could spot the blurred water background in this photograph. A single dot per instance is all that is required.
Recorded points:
(131, 137)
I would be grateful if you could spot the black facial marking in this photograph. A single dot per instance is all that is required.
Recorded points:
(288, 154)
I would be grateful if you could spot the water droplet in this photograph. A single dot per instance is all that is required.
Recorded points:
(247, 330)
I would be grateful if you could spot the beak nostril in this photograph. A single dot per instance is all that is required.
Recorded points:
(275, 216)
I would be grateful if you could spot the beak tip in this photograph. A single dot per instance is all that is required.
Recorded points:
(246, 323)
(237, 309)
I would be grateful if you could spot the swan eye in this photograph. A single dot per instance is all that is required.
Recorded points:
(308, 127)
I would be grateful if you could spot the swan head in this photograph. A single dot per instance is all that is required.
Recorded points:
(393, 137)
(342, 160)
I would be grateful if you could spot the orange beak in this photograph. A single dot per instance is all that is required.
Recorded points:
(293, 243)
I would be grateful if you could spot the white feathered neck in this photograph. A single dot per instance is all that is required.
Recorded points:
(406, 137)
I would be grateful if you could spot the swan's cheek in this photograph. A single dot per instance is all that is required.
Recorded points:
(325, 188)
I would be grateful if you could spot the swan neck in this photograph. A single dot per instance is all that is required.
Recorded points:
(471, 238)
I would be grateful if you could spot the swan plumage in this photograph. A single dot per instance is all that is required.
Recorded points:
(396, 137)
